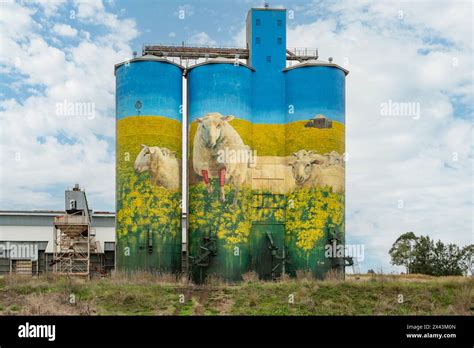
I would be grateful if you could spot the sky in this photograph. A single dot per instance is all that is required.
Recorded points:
(406, 171)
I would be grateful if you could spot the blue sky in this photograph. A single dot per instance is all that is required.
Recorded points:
(223, 19)
(404, 172)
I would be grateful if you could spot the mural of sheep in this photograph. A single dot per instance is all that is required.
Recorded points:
(310, 170)
(164, 167)
(142, 162)
(333, 158)
(215, 137)
(328, 159)
(272, 174)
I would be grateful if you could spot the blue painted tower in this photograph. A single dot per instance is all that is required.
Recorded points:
(266, 41)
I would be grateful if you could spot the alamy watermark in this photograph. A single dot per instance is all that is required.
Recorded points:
(355, 251)
(76, 109)
(228, 155)
(393, 108)
(19, 251)
(28, 330)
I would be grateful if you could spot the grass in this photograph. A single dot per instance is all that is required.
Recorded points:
(142, 294)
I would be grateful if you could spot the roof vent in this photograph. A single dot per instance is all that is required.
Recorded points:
(266, 5)
(330, 59)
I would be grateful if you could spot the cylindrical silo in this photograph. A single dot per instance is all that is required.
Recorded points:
(315, 145)
(219, 99)
(148, 172)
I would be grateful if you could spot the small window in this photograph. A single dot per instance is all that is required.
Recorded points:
(269, 59)
(257, 40)
(257, 21)
(279, 22)
(279, 41)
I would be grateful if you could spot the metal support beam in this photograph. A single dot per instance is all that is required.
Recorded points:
(185, 52)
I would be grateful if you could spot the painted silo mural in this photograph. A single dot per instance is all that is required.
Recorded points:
(266, 161)
(148, 182)
(219, 192)
(315, 133)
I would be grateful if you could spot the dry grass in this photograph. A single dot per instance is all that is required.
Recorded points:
(141, 293)
(214, 280)
(334, 275)
(143, 277)
(250, 277)
(304, 276)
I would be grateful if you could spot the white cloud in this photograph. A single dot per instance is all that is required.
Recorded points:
(49, 7)
(239, 39)
(43, 152)
(202, 39)
(64, 30)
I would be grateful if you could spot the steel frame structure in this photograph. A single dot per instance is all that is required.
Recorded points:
(73, 243)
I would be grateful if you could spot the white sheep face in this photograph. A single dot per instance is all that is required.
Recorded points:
(302, 168)
(211, 127)
(142, 162)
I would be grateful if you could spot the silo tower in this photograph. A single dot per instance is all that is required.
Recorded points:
(273, 212)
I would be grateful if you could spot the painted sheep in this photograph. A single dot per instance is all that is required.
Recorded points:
(309, 171)
(220, 152)
(164, 167)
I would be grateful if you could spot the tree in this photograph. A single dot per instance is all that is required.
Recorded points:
(402, 250)
(439, 259)
(423, 256)
(467, 261)
(453, 256)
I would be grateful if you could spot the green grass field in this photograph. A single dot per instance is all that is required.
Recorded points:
(144, 294)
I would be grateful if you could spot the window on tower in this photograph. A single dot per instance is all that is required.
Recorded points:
(257, 40)
(279, 41)
(257, 21)
(279, 22)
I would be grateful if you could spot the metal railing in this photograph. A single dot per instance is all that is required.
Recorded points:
(186, 51)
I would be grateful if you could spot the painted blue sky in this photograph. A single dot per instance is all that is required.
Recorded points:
(405, 172)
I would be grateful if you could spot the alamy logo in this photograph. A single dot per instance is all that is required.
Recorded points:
(19, 251)
(37, 331)
(68, 108)
(393, 108)
(355, 251)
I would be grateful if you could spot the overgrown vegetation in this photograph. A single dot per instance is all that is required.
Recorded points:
(146, 294)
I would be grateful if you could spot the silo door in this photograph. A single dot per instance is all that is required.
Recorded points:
(267, 238)
(267, 250)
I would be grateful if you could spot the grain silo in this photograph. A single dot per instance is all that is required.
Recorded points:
(219, 95)
(265, 156)
(148, 186)
(315, 135)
